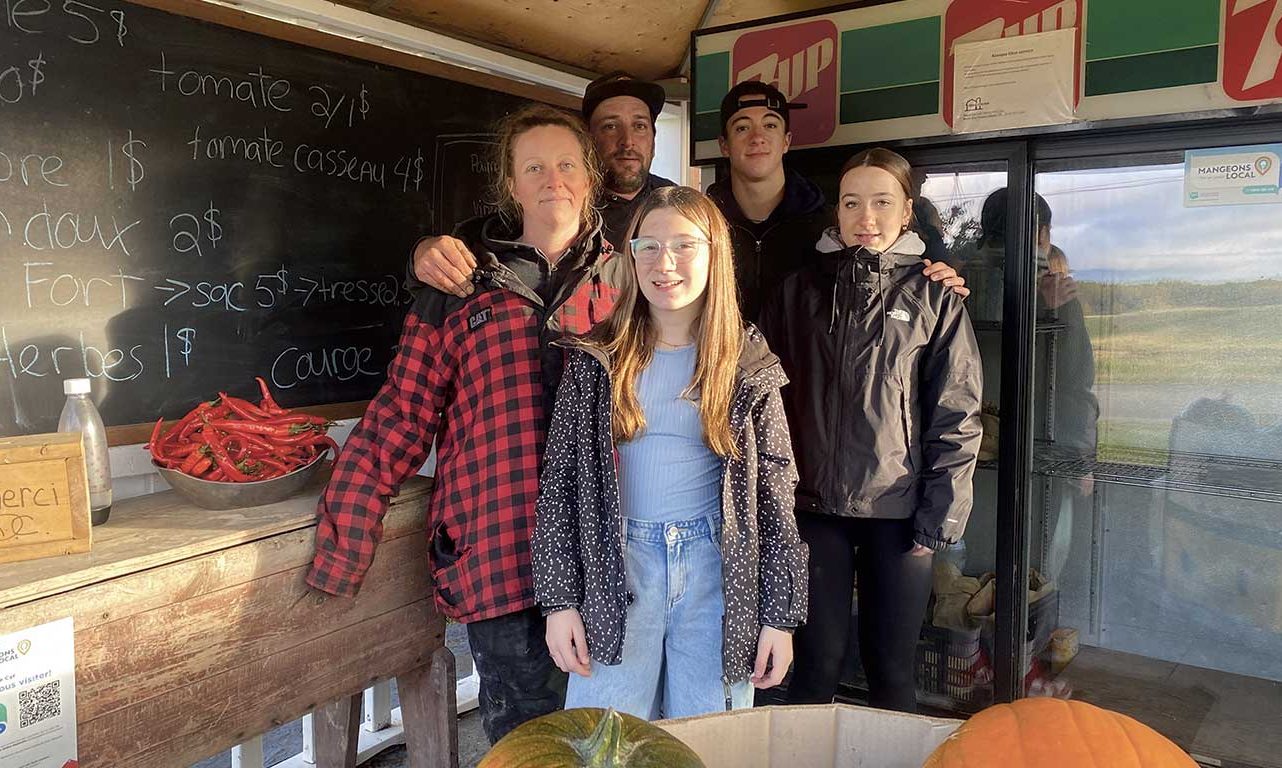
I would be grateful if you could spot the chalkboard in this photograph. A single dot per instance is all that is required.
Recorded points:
(184, 206)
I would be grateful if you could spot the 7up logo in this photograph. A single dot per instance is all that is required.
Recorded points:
(801, 61)
(1252, 49)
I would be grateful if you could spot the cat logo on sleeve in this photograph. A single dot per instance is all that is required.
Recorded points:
(480, 318)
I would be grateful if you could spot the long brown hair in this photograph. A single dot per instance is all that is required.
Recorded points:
(628, 335)
(510, 128)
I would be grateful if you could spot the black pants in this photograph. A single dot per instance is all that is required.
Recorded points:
(519, 682)
(894, 588)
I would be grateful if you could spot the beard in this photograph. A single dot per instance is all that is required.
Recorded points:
(625, 180)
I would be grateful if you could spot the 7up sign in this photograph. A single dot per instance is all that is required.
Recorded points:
(1253, 49)
(799, 60)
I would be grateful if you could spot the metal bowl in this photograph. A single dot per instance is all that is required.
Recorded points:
(212, 494)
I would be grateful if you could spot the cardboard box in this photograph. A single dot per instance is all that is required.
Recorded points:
(44, 497)
(820, 736)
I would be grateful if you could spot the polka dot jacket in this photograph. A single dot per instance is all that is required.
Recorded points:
(578, 552)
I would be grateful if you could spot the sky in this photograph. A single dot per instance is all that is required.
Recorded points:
(1130, 225)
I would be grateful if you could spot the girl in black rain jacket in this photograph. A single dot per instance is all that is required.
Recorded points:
(883, 408)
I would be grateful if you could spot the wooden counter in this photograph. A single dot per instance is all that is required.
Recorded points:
(194, 631)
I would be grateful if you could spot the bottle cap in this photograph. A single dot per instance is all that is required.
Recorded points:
(75, 386)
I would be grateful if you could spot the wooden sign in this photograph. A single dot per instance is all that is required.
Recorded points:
(44, 497)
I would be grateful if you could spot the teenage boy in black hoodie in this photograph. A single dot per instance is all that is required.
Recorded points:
(776, 215)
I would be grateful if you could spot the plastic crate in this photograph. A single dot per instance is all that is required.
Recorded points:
(953, 668)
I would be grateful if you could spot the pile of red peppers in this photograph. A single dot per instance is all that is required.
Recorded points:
(234, 440)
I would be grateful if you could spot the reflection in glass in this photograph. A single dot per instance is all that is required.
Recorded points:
(1157, 499)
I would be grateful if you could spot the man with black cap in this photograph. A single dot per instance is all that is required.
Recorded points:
(776, 215)
(620, 112)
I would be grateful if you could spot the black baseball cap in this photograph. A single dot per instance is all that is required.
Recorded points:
(754, 93)
(622, 84)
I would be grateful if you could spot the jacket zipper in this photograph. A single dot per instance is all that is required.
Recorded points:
(840, 422)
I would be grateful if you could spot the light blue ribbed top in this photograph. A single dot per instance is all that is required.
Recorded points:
(668, 473)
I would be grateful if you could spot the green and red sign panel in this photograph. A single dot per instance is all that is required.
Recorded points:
(885, 71)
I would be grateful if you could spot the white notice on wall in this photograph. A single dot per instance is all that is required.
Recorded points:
(38, 697)
(1014, 82)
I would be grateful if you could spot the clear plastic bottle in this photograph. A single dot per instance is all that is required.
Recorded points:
(80, 415)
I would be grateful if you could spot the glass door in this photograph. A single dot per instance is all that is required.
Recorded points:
(960, 211)
(1156, 496)
(956, 662)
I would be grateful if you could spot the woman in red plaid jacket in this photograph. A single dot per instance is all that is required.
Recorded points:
(477, 375)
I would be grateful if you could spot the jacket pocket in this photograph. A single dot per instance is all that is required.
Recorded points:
(450, 562)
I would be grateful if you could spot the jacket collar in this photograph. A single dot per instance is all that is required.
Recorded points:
(904, 252)
(498, 242)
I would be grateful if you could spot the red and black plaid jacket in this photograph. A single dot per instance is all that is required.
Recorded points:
(469, 375)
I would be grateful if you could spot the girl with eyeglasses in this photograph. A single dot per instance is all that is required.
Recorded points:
(666, 556)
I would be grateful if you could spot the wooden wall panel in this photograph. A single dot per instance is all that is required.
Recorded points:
(647, 39)
(189, 646)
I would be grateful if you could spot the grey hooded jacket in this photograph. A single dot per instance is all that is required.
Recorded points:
(886, 385)
(578, 550)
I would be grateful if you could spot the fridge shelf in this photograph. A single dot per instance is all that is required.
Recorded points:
(995, 326)
(1240, 477)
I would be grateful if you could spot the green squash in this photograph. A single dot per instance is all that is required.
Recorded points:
(590, 738)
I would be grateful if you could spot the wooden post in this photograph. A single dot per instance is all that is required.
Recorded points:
(248, 754)
(378, 706)
(429, 711)
(337, 732)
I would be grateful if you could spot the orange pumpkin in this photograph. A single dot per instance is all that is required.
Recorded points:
(1046, 733)
(590, 738)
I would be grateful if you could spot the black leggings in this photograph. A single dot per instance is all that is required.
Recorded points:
(894, 588)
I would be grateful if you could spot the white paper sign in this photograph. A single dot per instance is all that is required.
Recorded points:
(38, 697)
(1232, 175)
(1014, 82)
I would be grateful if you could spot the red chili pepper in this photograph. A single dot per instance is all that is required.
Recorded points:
(299, 419)
(189, 463)
(269, 402)
(202, 467)
(219, 451)
(302, 438)
(267, 461)
(191, 422)
(257, 444)
(155, 434)
(329, 441)
(243, 408)
(251, 427)
(181, 451)
(216, 475)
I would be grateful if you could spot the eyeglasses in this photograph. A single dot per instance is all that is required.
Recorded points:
(647, 250)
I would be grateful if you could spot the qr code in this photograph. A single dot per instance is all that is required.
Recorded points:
(39, 703)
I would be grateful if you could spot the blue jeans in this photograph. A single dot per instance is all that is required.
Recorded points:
(672, 663)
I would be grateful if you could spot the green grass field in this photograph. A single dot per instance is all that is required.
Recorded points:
(1217, 350)
(1194, 345)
